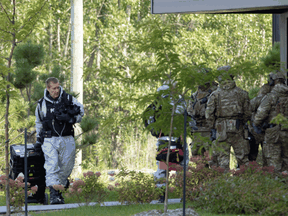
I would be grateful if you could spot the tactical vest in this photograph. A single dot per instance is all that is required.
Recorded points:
(279, 106)
(47, 116)
(229, 104)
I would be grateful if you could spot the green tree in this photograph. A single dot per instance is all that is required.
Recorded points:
(15, 26)
(27, 56)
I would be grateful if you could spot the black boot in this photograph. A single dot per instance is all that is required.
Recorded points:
(62, 198)
(67, 184)
(55, 196)
(162, 198)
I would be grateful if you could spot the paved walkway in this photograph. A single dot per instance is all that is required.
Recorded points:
(74, 205)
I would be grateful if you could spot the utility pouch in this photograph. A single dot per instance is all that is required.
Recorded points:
(231, 125)
(221, 129)
(47, 134)
(246, 134)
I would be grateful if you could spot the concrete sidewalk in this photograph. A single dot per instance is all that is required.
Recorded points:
(75, 205)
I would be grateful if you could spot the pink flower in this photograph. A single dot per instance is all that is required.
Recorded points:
(110, 187)
(84, 174)
(71, 190)
(98, 174)
(117, 184)
(34, 189)
(78, 183)
(3, 177)
(13, 199)
(81, 182)
(79, 190)
(58, 187)
(173, 176)
(90, 173)
(20, 178)
(171, 189)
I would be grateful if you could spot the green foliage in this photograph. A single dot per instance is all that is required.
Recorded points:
(272, 59)
(56, 72)
(136, 187)
(89, 139)
(250, 190)
(253, 92)
(280, 119)
(196, 177)
(128, 56)
(88, 123)
(88, 189)
(17, 190)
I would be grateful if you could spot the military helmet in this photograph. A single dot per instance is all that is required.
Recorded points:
(225, 68)
(204, 71)
(275, 76)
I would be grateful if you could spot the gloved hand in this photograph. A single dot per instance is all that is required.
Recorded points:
(204, 100)
(257, 129)
(63, 117)
(38, 144)
(213, 134)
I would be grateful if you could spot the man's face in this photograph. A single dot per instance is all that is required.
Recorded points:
(53, 89)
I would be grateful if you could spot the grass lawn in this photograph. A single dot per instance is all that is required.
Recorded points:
(112, 210)
(126, 210)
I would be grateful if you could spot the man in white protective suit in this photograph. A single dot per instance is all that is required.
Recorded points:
(56, 113)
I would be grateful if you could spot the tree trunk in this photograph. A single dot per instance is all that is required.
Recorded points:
(29, 99)
(128, 11)
(58, 36)
(50, 41)
(167, 160)
(119, 4)
(7, 128)
(7, 148)
(77, 66)
(67, 39)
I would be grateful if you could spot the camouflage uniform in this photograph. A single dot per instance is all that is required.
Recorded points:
(259, 138)
(228, 110)
(196, 109)
(275, 145)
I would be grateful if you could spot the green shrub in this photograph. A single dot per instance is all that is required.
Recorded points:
(196, 176)
(136, 187)
(252, 189)
(88, 189)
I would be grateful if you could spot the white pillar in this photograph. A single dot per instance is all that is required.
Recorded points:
(77, 65)
(283, 40)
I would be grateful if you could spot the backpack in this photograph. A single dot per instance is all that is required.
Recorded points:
(282, 106)
(229, 103)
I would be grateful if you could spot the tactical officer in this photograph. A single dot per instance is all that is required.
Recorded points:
(163, 138)
(196, 109)
(55, 115)
(259, 135)
(276, 137)
(227, 111)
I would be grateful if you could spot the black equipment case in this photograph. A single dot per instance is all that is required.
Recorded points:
(35, 169)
